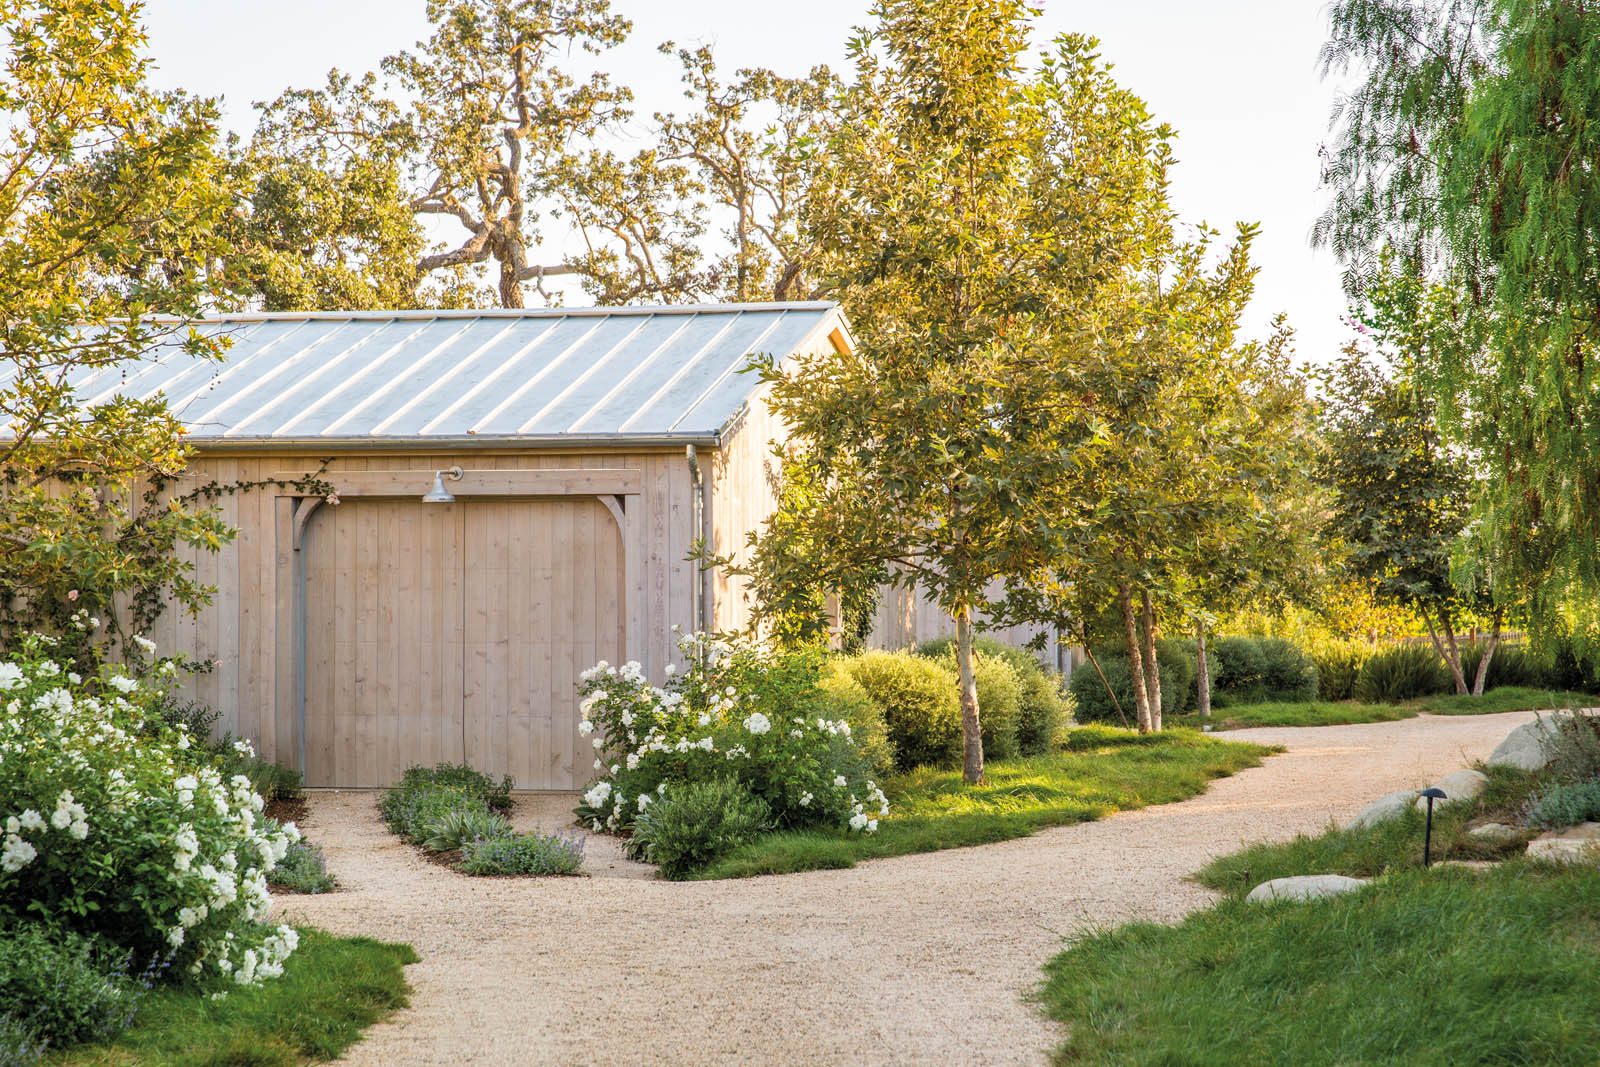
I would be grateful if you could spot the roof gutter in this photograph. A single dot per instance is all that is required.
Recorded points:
(468, 443)
(698, 515)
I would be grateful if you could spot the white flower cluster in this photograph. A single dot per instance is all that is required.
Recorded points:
(88, 762)
(70, 816)
(662, 733)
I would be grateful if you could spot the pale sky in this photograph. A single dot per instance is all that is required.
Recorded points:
(1237, 78)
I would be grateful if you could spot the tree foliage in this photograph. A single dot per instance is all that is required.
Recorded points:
(485, 131)
(1399, 495)
(972, 214)
(109, 217)
(1199, 496)
(1472, 154)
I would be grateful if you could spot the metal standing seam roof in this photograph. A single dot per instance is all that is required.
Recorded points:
(623, 374)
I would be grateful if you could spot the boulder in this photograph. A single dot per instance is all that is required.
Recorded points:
(1462, 785)
(1305, 887)
(1495, 833)
(1576, 844)
(1388, 806)
(1527, 747)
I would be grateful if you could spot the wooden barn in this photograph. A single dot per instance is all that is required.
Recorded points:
(418, 617)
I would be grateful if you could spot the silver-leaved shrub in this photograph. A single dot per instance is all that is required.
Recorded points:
(734, 711)
(114, 824)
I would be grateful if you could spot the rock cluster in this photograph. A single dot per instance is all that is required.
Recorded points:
(1575, 844)
(1528, 748)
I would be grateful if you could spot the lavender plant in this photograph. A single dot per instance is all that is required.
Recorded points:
(559, 853)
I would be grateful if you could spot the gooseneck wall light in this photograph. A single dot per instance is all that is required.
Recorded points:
(439, 494)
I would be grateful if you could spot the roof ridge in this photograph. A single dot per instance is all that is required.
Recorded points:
(411, 314)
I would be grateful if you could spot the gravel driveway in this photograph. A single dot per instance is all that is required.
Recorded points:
(920, 959)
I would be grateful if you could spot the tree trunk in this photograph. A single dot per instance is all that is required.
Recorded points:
(1203, 679)
(1488, 654)
(1152, 665)
(1448, 651)
(1141, 695)
(510, 288)
(971, 730)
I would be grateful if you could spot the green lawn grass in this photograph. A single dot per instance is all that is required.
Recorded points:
(1345, 712)
(1508, 698)
(1303, 713)
(1439, 967)
(1443, 966)
(1103, 770)
(331, 989)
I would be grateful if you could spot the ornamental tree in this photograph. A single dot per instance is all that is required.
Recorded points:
(109, 217)
(968, 215)
(1399, 503)
(1198, 486)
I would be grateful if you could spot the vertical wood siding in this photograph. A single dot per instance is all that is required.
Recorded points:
(553, 588)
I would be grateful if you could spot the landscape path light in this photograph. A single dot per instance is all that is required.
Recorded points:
(439, 494)
(1432, 793)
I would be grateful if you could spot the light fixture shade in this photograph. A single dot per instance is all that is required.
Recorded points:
(438, 494)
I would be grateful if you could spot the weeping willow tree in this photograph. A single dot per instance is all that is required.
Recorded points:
(1469, 149)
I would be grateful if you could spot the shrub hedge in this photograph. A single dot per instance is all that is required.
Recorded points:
(1042, 711)
(65, 988)
(1401, 672)
(1256, 670)
(919, 704)
(1338, 665)
(1177, 667)
(696, 824)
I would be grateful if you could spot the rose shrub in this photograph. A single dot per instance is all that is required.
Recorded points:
(119, 829)
(737, 712)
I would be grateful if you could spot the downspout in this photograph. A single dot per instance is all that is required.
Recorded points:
(698, 524)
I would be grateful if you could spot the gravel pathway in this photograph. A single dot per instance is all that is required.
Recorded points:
(921, 959)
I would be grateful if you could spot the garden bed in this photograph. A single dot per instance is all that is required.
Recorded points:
(1446, 967)
(1458, 964)
(1102, 770)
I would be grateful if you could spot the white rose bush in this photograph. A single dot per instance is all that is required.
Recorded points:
(732, 711)
(115, 825)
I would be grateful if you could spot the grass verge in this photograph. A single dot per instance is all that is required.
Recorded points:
(331, 989)
(1347, 712)
(1508, 698)
(1309, 713)
(1395, 844)
(1102, 771)
(1446, 966)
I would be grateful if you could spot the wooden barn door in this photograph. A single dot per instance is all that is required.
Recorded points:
(544, 602)
(449, 632)
(383, 640)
